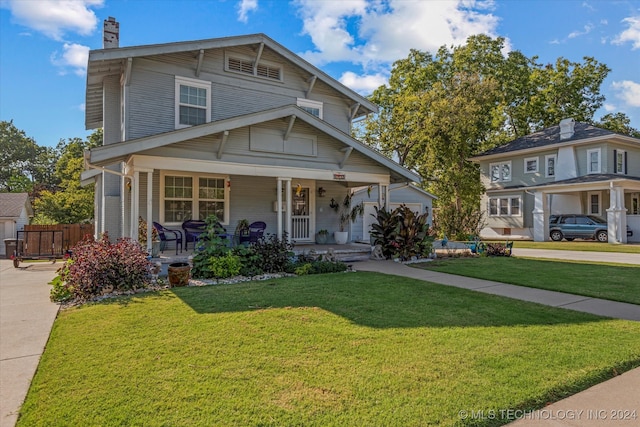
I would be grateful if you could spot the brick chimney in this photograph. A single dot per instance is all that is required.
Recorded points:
(111, 33)
(567, 128)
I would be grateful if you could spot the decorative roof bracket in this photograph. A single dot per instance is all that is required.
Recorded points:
(292, 120)
(225, 137)
(258, 56)
(199, 65)
(354, 110)
(312, 81)
(347, 153)
(126, 76)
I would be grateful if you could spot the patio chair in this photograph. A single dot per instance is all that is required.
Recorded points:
(256, 231)
(192, 230)
(168, 235)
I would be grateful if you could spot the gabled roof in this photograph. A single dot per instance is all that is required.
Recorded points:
(109, 154)
(11, 205)
(601, 178)
(550, 138)
(112, 62)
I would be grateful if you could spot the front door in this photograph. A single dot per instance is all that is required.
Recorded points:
(302, 226)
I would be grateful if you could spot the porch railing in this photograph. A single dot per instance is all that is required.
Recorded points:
(300, 226)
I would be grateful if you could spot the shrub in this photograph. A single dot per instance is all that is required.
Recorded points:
(60, 292)
(96, 267)
(209, 245)
(401, 233)
(224, 266)
(250, 261)
(274, 254)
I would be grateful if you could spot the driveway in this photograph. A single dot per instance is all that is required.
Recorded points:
(26, 317)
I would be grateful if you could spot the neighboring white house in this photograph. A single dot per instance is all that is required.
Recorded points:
(572, 168)
(415, 198)
(15, 211)
(236, 127)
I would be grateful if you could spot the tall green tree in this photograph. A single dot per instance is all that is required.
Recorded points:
(437, 109)
(619, 123)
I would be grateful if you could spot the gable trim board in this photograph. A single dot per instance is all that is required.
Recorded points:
(112, 62)
(120, 152)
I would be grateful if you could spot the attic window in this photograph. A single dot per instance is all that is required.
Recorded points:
(244, 65)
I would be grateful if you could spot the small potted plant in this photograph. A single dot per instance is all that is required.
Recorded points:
(142, 237)
(322, 237)
(346, 213)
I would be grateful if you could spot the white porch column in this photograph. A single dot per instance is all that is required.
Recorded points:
(133, 221)
(288, 209)
(149, 211)
(135, 204)
(278, 207)
(616, 215)
(383, 195)
(541, 217)
(103, 208)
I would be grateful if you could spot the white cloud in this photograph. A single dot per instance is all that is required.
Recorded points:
(628, 91)
(74, 56)
(373, 32)
(365, 84)
(244, 7)
(609, 108)
(54, 18)
(631, 34)
(587, 29)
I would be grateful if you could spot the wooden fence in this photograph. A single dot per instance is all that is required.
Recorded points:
(71, 233)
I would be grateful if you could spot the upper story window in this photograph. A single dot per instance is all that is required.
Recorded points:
(550, 165)
(193, 102)
(620, 159)
(531, 165)
(593, 161)
(238, 63)
(311, 107)
(500, 172)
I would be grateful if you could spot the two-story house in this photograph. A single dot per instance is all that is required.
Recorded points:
(572, 168)
(238, 127)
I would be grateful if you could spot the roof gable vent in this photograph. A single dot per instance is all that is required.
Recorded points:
(567, 128)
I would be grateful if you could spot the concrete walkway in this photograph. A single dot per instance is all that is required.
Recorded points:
(26, 318)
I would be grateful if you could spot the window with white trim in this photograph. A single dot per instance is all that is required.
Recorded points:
(500, 172)
(594, 203)
(193, 102)
(311, 107)
(550, 165)
(635, 204)
(620, 159)
(237, 63)
(593, 161)
(505, 206)
(191, 196)
(531, 165)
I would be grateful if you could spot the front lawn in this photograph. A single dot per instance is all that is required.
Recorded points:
(578, 245)
(614, 282)
(344, 349)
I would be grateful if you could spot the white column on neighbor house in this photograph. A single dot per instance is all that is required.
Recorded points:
(383, 195)
(133, 223)
(278, 207)
(103, 208)
(541, 216)
(616, 215)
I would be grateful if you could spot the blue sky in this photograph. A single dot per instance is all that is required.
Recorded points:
(44, 43)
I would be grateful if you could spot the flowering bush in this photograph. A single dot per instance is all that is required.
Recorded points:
(97, 267)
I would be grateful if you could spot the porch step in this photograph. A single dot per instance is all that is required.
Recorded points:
(345, 253)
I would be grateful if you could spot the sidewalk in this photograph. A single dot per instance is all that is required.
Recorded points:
(26, 318)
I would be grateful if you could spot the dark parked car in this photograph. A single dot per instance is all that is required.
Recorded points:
(576, 226)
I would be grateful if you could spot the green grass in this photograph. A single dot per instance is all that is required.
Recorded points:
(588, 246)
(347, 349)
(617, 282)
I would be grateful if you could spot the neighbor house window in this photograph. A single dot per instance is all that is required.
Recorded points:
(311, 107)
(594, 203)
(550, 165)
(593, 161)
(237, 63)
(531, 165)
(193, 103)
(635, 204)
(189, 196)
(500, 172)
(620, 159)
(504, 206)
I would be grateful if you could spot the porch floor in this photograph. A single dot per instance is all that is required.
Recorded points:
(348, 252)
